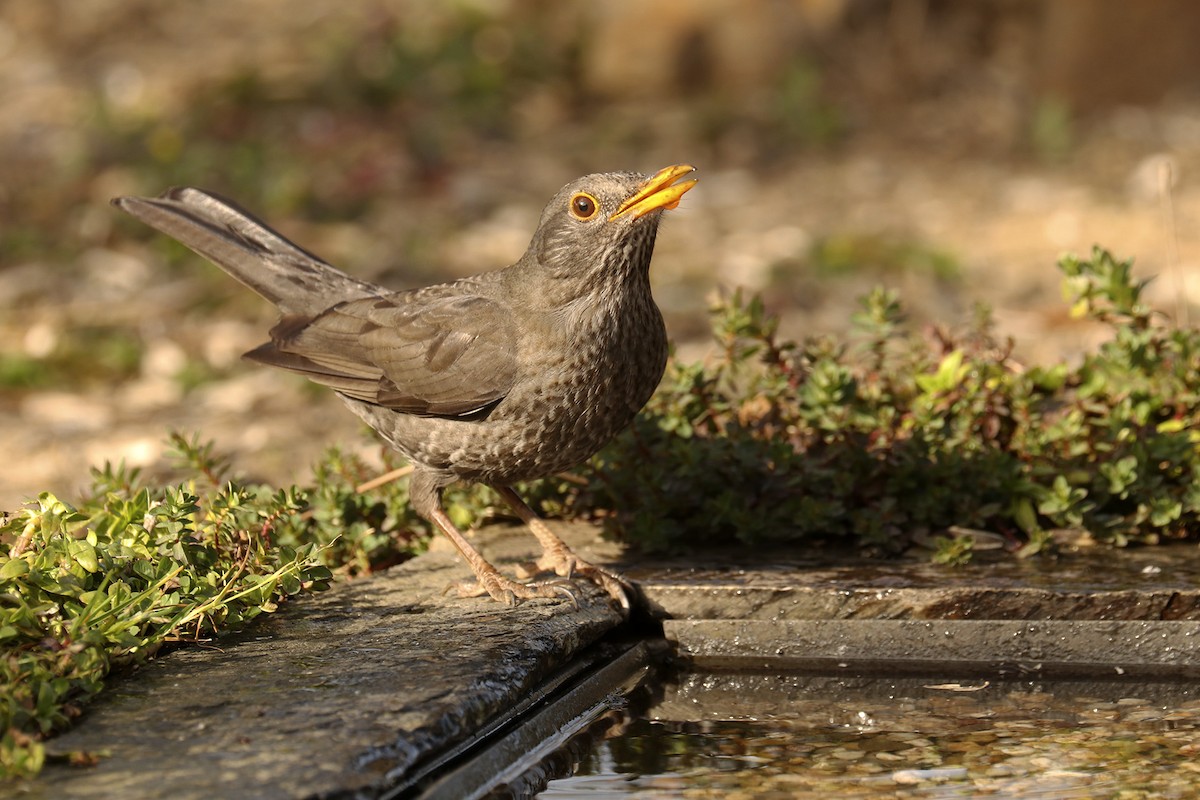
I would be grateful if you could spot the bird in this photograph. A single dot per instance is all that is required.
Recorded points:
(509, 375)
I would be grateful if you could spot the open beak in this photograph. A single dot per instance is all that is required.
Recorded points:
(661, 191)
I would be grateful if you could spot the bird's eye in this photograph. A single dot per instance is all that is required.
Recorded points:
(584, 206)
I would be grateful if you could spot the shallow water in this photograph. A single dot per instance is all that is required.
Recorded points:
(737, 735)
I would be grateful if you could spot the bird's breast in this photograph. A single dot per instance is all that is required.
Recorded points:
(578, 386)
(575, 396)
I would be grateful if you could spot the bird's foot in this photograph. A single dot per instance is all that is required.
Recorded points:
(511, 592)
(562, 560)
(488, 579)
(566, 563)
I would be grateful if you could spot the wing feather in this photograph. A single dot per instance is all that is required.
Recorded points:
(417, 352)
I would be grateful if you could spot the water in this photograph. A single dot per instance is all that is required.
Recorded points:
(735, 735)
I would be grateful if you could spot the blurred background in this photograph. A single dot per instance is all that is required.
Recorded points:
(951, 150)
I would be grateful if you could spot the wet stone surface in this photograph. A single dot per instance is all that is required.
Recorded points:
(990, 647)
(350, 692)
(1131, 612)
(1099, 584)
(341, 692)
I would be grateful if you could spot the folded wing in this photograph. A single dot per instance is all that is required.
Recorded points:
(452, 356)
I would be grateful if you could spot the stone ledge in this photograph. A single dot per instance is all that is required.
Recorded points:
(1077, 646)
(1097, 613)
(353, 692)
(1150, 584)
(339, 694)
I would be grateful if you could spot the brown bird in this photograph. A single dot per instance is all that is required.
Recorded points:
(501, 377)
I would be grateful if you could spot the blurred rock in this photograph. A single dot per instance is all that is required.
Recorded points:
(40, 339)
(114, 276)
(66, 412)
(644, 50)
(1098, 53)
(154, 394)
(163, 359)
(243, 393)
(225, 340)
(1153, 177)
(134, 450)
(496, 242)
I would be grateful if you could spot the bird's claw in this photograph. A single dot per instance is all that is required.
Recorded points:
(616, 587)
(570, 567)
(511, 593)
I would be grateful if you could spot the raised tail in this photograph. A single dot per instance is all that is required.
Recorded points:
(292, 278)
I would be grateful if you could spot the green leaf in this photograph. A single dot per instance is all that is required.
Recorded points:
(1025, 517)
(84, 554)
(13, 568)
(949, 375)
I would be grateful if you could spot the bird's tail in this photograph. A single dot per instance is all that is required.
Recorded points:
(296, 281)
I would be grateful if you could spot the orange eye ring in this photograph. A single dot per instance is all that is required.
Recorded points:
(583, 206)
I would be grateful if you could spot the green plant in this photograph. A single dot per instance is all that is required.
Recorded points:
(888, 436)
(800, 109)
(847, 253)
(86, 588)
(90, 588)
(80, 356)
(1052, 129)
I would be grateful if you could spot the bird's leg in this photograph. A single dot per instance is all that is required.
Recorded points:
(489, 580)
(560, 558)
(425, 494)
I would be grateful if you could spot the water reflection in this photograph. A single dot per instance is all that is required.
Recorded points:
(727, 735)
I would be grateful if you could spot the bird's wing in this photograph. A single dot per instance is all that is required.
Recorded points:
(414, 351)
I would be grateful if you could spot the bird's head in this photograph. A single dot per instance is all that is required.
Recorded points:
(600, 229)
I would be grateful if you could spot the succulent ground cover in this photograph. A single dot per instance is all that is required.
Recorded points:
(890, 435)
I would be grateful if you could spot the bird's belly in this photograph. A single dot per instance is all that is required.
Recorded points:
(555, 418)
(539, 429)
(542, 431)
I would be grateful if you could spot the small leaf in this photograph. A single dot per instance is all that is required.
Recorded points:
(1025, 517)
(949, 374)
(14, 568)
(84, 554)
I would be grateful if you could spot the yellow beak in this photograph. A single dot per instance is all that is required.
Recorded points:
(660, 191)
